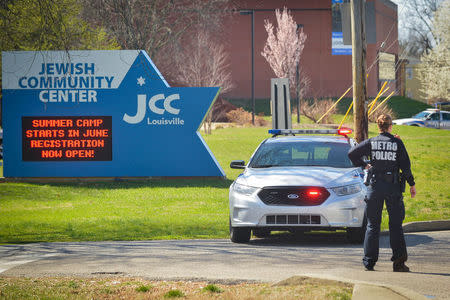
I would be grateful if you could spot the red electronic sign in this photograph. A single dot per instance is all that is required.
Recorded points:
(67, 138)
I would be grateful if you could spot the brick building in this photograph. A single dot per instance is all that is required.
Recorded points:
(330, 74)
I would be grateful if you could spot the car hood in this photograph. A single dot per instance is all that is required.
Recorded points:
(407, 121)
(300, 176)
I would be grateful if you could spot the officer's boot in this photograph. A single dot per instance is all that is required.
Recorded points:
(399, 264)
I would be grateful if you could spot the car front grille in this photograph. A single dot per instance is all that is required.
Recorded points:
(292, 219)
(294, 196)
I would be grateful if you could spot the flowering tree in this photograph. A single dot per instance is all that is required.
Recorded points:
(284, 47)
(204, 62)
(435, 68)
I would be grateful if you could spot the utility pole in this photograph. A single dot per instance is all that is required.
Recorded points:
(252, 13)
(357, 11)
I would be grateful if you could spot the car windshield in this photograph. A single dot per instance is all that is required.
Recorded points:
(302, 153)
(422, 115)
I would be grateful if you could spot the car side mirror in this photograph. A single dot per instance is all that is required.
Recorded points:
(237, 164)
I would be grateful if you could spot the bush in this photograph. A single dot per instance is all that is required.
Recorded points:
(382, 110)
(174, 294)
(239, 116)
(143, 288)
(261, 122)
(242, 117)
(316, 109)
(212, 288)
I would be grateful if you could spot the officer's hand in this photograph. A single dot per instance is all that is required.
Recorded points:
(397, 136)
(413, 191)
(368, 166)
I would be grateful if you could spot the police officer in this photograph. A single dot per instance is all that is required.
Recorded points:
(387, 157)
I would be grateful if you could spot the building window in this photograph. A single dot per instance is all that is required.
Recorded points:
(409, 73)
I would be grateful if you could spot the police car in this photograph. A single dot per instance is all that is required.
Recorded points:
(433, 118)
(298, 183)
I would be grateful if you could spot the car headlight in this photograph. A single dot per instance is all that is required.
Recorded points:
(347, 189)
(244, 189)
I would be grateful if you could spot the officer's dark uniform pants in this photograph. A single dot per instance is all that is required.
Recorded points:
(377, 194)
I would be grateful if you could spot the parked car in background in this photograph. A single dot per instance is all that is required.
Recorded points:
(433, 118)
(298, 184)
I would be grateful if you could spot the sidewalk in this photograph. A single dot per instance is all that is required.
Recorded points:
(373, 292)
(363, 291)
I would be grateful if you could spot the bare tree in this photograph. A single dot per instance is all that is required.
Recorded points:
(302, 85)
(417, 26)
(204, 62)
(152, 25)
(284, 47)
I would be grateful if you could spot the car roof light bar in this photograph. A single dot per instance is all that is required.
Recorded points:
(342, 131)
(345, 131)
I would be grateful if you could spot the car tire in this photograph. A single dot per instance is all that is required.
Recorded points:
(240, 234)
(261, 232)
(355, 235)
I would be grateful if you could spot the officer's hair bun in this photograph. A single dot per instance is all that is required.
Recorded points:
(384, 121)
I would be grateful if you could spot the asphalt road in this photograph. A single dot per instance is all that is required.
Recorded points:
(272, 259)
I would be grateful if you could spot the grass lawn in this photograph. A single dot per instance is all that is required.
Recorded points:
(137, 288)
(188, 208)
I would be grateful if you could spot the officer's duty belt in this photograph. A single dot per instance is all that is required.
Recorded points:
(390, 177)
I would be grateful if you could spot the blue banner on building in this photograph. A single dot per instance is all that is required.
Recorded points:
(100, 114)
(338, 47)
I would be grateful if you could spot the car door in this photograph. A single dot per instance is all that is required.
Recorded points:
(432, 120)
(445, 123)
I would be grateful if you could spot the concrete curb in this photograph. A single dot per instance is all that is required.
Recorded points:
(436, 225)
(426, 226)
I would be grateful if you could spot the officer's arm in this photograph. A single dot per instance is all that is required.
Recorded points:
(357, 153)
(405, 164)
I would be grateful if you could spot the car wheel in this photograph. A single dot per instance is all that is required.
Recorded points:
(239, 234)
(356, 235)
(261, 232)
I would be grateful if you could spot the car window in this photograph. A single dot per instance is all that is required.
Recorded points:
(434, 117)
(422, 115)
(302, 153)
(446, 116)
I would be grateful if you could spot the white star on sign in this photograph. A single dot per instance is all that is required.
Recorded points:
(141, 81)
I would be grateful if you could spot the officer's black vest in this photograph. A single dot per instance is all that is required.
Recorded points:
(384, 153)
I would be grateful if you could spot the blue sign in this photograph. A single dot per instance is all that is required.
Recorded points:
(337, 45)
(100, 114)
(337, 38)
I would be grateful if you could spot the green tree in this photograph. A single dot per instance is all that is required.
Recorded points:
(48, 25)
